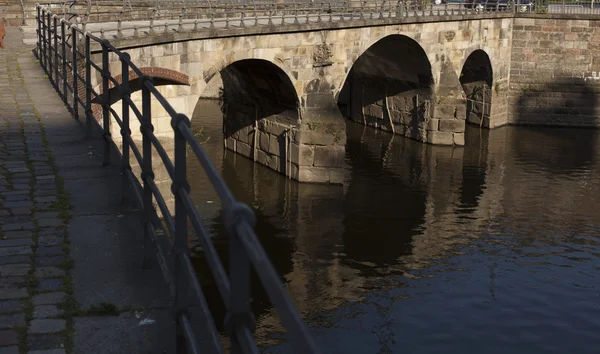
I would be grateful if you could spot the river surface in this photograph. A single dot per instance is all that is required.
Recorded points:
(489, 248)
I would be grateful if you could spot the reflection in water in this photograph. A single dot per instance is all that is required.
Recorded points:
(489, 248)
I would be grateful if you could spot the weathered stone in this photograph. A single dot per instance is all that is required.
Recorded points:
(440, 138)
(14, 242)
(39, 326)
(13, 293)
(263, 141)
(48, 351)
(14, 270)
(313, 174)
(10, 306)
(452, 125)
(9, 350)
(50, 240)
(50, 261)
(433, 124)
(18, 226)
(329, 156)
(14, 251)
(459, 139)
(49, 272)
(244, 149)
(12, 320)
(49, 250)
(48, 298)
(52, 284)
(46, 311)
(8, 337)
(50, 222)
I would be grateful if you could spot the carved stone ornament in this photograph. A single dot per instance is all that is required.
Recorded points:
(322, 55)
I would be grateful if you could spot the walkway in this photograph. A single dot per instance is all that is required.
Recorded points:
(70, 275)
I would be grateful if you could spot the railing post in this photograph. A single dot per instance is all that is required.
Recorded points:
(55, 26)
(74, 67)
(39, 32)
(240, 314)
(89, 114)
(63, 52)
(125, 131)
(49, 53)
(181, 249)
(105, 103)
(147, 173)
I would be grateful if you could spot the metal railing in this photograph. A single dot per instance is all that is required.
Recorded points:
(64, 53)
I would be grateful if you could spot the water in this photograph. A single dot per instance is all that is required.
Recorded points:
(490, 248)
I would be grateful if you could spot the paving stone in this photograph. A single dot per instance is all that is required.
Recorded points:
(49, 272)
(11, 282)
(8, 337)
(18, 226)
(50, 240)
(39, 326)
(16, 242)
(15, 260)
(18, 197)
(18, 234)
(13, 293)
(48, 351)
(14, 270)
(19, 204)
(21, 211)
(12, 321)
(10, 306)
(45, 311)
(49, 250)
(48, 298)
(49, 261)
(50, 222)
(52, 284)
(46, 214)
(9, 350)
(44, 342)
(14, 251)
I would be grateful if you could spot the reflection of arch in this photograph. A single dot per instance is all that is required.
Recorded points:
(388, 86)
(477, 79)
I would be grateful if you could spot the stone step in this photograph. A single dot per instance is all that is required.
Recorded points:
(28, 30)
(30, 41)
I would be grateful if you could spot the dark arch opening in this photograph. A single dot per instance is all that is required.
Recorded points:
(254, 89)
(476, 79)
(388, 87)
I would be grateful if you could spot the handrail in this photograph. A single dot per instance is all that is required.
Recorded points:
(71, 74)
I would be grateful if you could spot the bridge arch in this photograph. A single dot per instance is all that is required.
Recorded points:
(476, 79)
(389, 86)
(160, 77)
(260, 107)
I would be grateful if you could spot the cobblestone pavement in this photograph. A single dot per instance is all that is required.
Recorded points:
(35, 285)
(70, 253)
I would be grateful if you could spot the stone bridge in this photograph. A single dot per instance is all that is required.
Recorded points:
(286, 90)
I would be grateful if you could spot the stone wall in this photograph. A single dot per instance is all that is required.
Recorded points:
(555, 71)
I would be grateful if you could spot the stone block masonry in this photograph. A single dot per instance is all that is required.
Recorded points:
(555, 72)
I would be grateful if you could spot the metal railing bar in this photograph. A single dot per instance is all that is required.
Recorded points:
(116, 116)
(212, 258)
(136, 191)
(161, 99)
(211, 172)
(168, 164)
(247, 342)
(195, 286)
(270, 279)
(134, 108)
(135, 150)
(160, 201)
(95, 66)
(189, 334)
